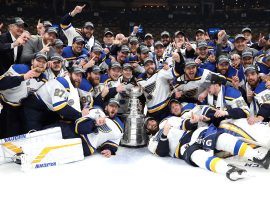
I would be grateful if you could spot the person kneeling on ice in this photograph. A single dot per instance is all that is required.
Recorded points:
(100, 132)
(197, 148)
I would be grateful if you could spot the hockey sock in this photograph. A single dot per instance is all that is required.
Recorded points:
(231, 144)
(206, 160)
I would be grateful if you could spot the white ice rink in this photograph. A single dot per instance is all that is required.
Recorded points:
(131, 174)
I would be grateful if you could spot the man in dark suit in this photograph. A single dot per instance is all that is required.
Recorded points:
(11, 44)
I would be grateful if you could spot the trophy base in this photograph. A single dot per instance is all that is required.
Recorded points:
(133, 146)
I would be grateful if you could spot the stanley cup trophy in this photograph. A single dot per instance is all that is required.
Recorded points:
(134, 133)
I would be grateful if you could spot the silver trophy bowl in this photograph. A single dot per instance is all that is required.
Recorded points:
(134, 133)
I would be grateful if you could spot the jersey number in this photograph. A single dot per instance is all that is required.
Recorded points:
(240, 103)
(265, 98)
(59, 92)
(85, 99)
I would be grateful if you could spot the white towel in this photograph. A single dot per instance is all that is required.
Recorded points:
(220, 100)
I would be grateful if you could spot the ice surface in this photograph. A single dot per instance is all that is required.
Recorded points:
(131, 174)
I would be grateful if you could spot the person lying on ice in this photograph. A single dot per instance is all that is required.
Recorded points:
(100, 132)
(197, 148)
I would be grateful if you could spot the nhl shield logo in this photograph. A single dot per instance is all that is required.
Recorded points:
(70, 102)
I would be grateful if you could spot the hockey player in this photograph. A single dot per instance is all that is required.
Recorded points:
(247, 59)
(205, 59)
(167, 43)
(128, 80)
(224, 102)
(263, 63)
(257, 95)
(56, 69)
(58, 46)
(200, 35)
(93, 76)
(109, 85)
(77, 49)
(198, 148)
(138, 65)
(240, 44)
(70, 32)
(178, 109)
(192, 83)
(28, 81)
(53, 101)
(230, 73)
(133, 46)
(121, 56)
(149, 41)
(248, 36)
(159, 56)
(157, 87)
(100, 132)
(221, 44)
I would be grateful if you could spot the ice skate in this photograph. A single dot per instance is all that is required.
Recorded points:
(264, 162)
(236, 173)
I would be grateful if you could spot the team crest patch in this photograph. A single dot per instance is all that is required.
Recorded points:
(150, 88)
(104, 128)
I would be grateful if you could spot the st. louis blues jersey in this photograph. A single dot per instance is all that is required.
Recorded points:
(229, 99)
(85, 95)
(175, 136)
(193, 88)
(106, 136)
(70, 32)
(55, 94)
(96, 92)
(13, 96)
(261, 102)
(262, 66)
(158, 87)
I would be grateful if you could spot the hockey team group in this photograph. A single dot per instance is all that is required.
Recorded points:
(204, 97)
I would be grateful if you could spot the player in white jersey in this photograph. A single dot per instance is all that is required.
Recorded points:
(70, 32)
(129, 81)
(160, 56)
(56, 69)
(32, 78)
(193, 83)
(15, 95)
(100, 132)
(109, 85)
(258, 95)
(224, 102)
(157, 87)
(56, 102)
(198, 148)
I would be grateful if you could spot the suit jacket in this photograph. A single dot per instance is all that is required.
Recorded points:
(33, 46)
(7, 54)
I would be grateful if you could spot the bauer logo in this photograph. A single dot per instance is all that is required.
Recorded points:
(10, 139)
(51, 164)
